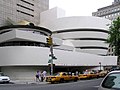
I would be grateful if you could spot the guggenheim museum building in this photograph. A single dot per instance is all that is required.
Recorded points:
(78, 41)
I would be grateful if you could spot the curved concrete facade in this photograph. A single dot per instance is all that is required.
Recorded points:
(86, 33)
(38, 56)
(22, 62)
(79, 22)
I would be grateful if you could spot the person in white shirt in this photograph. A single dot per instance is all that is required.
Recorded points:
(44, 74)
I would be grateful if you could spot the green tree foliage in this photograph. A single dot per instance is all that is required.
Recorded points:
(114, 36)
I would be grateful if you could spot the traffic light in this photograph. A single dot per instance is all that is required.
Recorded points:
(49, 40)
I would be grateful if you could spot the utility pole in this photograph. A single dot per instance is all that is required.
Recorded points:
(100, 65)
(51, 51)
(50, 43)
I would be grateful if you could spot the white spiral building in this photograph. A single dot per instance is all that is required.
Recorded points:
(85, 33)
(24, 50)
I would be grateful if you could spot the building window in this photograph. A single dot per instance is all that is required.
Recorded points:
(27, 2)
(25, 13)
(25, 7)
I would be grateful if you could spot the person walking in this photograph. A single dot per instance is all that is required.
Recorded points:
(38, 76)
(44, 75)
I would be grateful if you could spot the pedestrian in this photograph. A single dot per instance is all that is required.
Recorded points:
(44, 74)
(77, 73)
(38, 76)
(42, 77)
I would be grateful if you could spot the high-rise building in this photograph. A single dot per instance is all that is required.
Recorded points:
(17, 10)
(110, 12)
(116, 1)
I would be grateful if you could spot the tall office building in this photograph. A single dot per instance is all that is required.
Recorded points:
(116, 1)
(17, 10)
(110, 12)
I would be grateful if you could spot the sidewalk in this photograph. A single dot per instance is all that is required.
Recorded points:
(27, 82)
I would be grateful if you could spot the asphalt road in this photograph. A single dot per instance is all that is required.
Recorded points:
(79, 85)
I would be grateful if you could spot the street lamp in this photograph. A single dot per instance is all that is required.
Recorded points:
(50, 43)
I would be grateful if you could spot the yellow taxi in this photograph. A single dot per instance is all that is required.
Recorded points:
(82, 76)
(61, 77)
(88, 75)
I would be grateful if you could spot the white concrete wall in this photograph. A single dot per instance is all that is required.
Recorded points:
(83, 59)
(82, 34)
(24, 73)
(51, 15)
(64, 47)
(52, 20)
(7, 36)
(92, 51)
(22, 35)
(22, 62)
(29, 55)
(23, 55)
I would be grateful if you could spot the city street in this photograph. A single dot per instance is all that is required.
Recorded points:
(79, 85)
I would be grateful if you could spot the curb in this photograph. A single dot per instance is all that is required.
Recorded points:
(27, 82)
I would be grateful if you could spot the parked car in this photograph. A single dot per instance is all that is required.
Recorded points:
(103, 73)
(82, 76)
(61, 77)
(88, 75)
(111, 81)
(4, 78)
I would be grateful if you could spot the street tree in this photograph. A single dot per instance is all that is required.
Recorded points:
(114, 37)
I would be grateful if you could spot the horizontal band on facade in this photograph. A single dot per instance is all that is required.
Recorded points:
(27, 26)
(78, 30)
(92, 47)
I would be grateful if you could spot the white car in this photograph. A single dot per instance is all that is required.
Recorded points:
(4, 78)
(111, 81)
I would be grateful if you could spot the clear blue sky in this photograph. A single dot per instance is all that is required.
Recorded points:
(80, 7)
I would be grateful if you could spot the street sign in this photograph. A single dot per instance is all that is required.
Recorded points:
(50, 60)
(52, 57)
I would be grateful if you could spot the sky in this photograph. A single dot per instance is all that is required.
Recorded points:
(80, 7)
